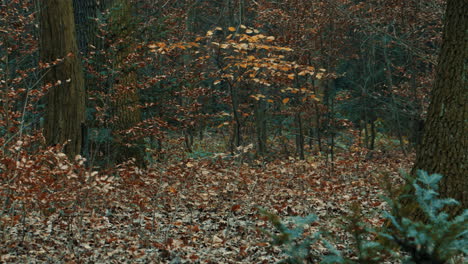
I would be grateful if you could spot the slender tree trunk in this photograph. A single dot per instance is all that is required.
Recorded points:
(416, 122)
(260, 123)
(444, 146)
(395, 108)
(188, 138)
(65, 102)
(373, 134)
(317, 123)
(331, 87)
(366, 130)
(299, 136)
(236, 139)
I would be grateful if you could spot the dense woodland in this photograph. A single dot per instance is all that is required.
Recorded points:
(233, 131)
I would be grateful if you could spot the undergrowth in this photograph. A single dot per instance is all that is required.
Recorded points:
(439, 239)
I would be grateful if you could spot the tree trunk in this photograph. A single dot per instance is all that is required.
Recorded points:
(86, 12)
(236, 139)
(126, 96)
(317, 117)
(261, 128)
(395, 107)
(373, 135)
(65, 108)
(444, 146)
(87, 30)
(299, 135)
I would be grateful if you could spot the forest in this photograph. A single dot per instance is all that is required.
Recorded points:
(234, 131)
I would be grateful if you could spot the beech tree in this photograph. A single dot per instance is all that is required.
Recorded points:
(444, 147)
(126, 104)
(118, 47)
(86, 14)
(65, 110)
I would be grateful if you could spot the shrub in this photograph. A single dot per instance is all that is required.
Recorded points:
(292, 240)
(436, 240)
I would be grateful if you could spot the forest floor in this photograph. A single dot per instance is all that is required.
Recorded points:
(201, 211)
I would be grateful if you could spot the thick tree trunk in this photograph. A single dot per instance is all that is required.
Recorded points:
(66, 102)
(444, 147)
(87, 31)
(126, 104)
(86, 12)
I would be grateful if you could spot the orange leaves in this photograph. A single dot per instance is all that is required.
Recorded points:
(314, 97)
(304, 93)
(235, 207)
(224, 46)
(194, 44)
(172, 189)
(258, 96)
(261, 81)
(157, 45)
(320, 74)
(243, 46)
(163, 48)
(223, 124)
(250, 56)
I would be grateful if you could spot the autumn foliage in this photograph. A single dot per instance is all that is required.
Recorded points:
(198, 113)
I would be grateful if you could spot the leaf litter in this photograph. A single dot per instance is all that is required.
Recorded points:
(198, 211)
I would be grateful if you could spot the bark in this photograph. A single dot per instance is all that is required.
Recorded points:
(261, 127)
(317, 123)
(299, 136)
(236, 138)
(86, 12)
(127, 99)
(373, 135)
(444, 145)
(65, 108)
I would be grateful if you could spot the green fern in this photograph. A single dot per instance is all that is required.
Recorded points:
(436, 240)
(292, 241)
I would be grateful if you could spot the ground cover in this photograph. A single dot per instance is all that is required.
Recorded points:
(197, 211)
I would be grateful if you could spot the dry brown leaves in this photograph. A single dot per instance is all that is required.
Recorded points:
(196, 212)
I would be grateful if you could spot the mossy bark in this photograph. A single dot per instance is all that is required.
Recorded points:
(65, 110)
(444, 146)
